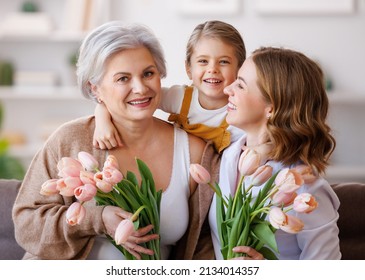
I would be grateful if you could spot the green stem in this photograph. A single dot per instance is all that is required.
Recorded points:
(254, 213)
(219, 194)
(239, 186)
(135, 215)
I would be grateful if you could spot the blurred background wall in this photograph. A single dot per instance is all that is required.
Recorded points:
(336, 39)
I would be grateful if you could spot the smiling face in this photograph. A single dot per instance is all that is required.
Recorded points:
(131, 85)
(247, 108)
(212, 67)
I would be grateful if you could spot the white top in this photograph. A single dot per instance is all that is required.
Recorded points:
(171, 102)
(319, 237)
(174, 213)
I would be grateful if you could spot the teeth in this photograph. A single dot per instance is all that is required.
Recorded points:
(213, 81)
(139, 101)
(231, 106)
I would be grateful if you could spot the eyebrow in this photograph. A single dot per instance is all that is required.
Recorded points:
(242, 79)
(128, 73)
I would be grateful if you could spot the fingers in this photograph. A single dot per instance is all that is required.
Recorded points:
(144, 239)
(135, 250)
(141, 236)
(144, 230)
(105, 144)
(251, 254)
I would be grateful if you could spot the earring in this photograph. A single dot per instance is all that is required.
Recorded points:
(99, 100)
(268, 116)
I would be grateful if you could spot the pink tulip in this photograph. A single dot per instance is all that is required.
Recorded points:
(199, 173)
(112, 175)
(101, 184)
(287, 223)
(75, 213)
(307, 173)
(49, 187)
(88, 161)
(85, 192)
(305, 203)
(67, 186)
(123, 231)
(249, 162)
(87, 177)
(111, 161)
(292, 225)
(288, 180)
(261, 175)
(69, 167)
(277, 217)
(283, 199)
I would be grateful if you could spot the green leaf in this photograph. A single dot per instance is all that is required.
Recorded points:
(146, 175)
(268, 254)
(236, 231)
(132, 178)
(264, 232)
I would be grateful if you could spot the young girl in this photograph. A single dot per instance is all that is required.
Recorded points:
(214, 53)
(279, 97)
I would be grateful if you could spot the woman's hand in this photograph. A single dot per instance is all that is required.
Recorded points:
(140, 236)
(251, 254)
(112, 216)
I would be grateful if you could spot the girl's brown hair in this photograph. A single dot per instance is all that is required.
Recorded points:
(218, 30)
(294, 85)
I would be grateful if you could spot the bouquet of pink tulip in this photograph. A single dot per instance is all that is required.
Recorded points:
(82, 178)
(242, 219)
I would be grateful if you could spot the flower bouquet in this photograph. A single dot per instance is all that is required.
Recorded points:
(82, 178)
(252, 220)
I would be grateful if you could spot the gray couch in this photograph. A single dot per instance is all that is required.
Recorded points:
(9, 249)
(351, 222)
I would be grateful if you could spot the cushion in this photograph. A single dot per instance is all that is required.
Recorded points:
(9, 248)
(352, 220)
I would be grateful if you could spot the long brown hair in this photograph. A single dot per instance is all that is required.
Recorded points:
(294, 85)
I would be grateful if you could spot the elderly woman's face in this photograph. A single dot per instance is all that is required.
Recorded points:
(131, 86)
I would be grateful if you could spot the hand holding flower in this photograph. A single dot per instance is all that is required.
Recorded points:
(81, 178)
(248, 253)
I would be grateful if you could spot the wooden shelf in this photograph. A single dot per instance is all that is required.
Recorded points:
(56, 37)
(41, 93)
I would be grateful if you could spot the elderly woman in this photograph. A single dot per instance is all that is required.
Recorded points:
(120, 66)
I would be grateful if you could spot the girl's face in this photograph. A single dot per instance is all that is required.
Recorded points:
(131, 85)
(213, 66)
(247, 108)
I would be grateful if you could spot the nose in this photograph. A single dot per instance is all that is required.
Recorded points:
(212, 67)
(138, 86)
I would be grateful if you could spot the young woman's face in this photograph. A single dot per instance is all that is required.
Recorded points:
(247, 108)
(213, 66)
(131, 85)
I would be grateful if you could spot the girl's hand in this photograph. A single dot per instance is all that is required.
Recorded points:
(106, 135)
(251, 254)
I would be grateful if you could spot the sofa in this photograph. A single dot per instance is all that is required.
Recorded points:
(351, 222)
